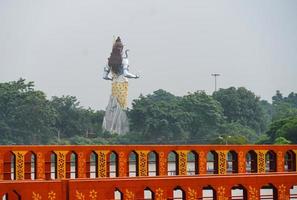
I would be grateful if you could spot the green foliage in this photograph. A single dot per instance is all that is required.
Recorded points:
(229, 116)
(163, 117)
(27, 117)
(25, 114)
(228, 139)
(284, 107)
(242, 106)
(72, 119)
(157, 116)
(234, 130)
(286, 128)
(203, 114)
(282, 140)
(263, 139)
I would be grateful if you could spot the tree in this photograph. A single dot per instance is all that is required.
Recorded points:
(67, 121)
(25, 114)
(163, 117)
(202, 117)
(242, 106)
(75, 120)
(285, 128)
(267, 109)
(236, 133)
(157, 116)
(284, 107)
(282, 140)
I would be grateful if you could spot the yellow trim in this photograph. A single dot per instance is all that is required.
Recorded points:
(61, 164)
(222, 162)
(102, 163)
(142, 163)
(182, 162)
(19, 164)
(261, 160)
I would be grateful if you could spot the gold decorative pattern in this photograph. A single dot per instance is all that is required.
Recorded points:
(202, 162)
(162, 164)
(222, 193)
(160, 194)
(280, 161)
(19, 164)
(182, 162)
(241, 162)
(36, 196)
(93, 195)
(192, 194)
(129, 195)
(79, 195)
(122, 164)
(261, 160)
(142, 163)
(40, 166)
(102, 163)
(61, 164)
(51, 195)
(81, 165)
(222, 166)
(283, 193)
(120, 91)
(253, 193)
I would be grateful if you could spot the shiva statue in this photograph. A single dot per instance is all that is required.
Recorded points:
(117, 71)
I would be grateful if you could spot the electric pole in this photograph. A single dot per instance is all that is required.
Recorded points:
(215, 77)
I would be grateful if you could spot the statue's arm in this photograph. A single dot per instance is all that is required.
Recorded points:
(127, 74)
(106, 73)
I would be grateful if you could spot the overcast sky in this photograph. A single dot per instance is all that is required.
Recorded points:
(63, 45)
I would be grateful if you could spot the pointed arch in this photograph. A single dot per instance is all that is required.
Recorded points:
(251, 162)
(71, 165)
(192, 163)
(232, 162)
(53, 166)
(9, 165)
(270, 161)
(268, 191)
(148, 194)
(172, 164)
(212, 162)
(93, 165)
(208, 193)
(30, 165)
(12, 166)
(118, 195)
(5, 197)
(153, 164)
(290, 161)
(113, 163)
(293, 192)
(239, 192)
(179, 193)
(133, 164)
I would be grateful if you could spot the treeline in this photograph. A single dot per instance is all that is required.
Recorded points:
(232, 115)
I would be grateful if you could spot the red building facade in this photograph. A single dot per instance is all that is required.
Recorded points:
(160, 171)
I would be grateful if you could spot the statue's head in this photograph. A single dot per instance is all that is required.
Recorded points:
(118, 46)
(115, 59)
